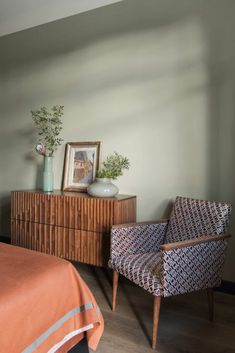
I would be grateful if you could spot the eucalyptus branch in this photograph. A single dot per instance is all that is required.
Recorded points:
(113, 166)
(49, 125)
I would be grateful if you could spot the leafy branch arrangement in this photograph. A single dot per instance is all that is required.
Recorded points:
(113, 166)
(49, 125)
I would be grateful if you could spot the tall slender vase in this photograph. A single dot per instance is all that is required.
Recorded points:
(48, 175)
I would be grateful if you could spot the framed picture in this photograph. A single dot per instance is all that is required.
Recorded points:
(80, 165)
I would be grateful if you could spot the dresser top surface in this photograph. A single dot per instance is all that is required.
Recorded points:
(119, 197)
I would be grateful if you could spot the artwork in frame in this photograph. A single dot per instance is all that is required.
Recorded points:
(81, 163)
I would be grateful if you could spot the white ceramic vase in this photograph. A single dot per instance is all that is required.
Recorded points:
(102, 187)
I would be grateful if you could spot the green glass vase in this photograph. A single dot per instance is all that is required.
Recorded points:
(48, 176)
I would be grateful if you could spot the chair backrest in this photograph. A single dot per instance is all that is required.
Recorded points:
(191, 218)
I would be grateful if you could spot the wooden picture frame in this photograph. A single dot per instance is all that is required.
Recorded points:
(81, 163)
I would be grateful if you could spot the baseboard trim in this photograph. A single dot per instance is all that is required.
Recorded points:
(5, 239)
(227, 287)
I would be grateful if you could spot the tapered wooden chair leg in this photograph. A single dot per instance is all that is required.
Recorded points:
(115, 287)
(210, 296)
(156, 312)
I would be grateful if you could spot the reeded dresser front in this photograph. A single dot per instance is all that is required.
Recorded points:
(71, 225)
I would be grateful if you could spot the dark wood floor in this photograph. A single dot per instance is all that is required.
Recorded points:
(184, 326)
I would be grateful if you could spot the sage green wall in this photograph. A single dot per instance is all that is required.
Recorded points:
(153, 80)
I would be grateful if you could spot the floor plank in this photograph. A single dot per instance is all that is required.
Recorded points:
(184, 326)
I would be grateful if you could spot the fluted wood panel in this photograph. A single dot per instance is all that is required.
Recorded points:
(91, 214)
(69, 225)
(125, 211)
(71, 244)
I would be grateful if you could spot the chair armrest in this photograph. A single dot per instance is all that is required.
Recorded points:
(193, 264)
(137, 238)
(194, 241)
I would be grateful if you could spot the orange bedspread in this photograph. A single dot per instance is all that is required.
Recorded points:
(45, 306)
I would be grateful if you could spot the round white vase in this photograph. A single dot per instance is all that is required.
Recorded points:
(102, 187)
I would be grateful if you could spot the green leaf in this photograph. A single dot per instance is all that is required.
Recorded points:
(113, 166)
(49, 125)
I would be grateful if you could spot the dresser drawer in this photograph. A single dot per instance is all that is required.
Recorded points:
(77, 245)
(91, 214)
(71, 225)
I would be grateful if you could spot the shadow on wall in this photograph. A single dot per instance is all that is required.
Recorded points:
(5, 215)
(111, 85)
(5, 202)
(221, 77)
(37, 165)
(39, 173)
(29, 135)
(24, 166)
(167, 210)
(160, 76)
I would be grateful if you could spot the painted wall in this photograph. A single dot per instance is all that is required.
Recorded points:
(151, 81)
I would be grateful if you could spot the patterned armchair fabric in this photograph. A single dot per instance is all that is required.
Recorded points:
(138, 238)
(191, 218)
(195, 261)
(193, 267)
(142, 269)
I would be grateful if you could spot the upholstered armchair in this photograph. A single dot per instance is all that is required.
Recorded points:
(183, 254)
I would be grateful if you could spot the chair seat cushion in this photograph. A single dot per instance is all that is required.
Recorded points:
(142, 269)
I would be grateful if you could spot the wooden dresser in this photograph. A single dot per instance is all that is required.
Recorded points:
(71, 225)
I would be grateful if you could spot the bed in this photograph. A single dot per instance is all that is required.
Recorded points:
(45, 306)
